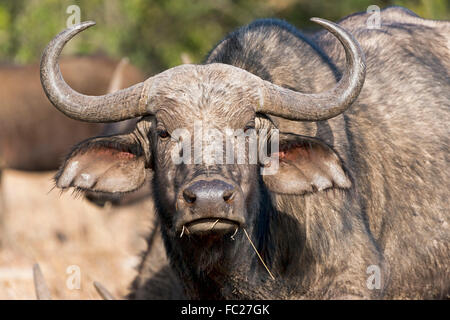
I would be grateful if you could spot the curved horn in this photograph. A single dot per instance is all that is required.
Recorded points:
(103, 292)
(42, 292)
(117, 76)
(294, 105)
(120, 105)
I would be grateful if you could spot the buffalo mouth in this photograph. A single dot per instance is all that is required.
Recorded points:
(207, 226)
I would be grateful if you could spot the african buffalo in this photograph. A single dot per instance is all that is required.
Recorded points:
(358, 206)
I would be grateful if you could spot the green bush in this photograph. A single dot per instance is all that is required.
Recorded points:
(155, 33)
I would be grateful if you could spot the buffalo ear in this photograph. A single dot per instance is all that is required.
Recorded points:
(305, 165)
(113, 164)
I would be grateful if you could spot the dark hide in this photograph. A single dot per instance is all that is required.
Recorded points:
(365, 189)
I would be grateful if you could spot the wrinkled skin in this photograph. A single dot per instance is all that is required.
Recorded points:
(367, 187)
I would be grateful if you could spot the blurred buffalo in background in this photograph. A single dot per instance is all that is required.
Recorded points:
(33, 135)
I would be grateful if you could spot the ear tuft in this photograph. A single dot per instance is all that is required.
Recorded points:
(306, 165)
(111, 164)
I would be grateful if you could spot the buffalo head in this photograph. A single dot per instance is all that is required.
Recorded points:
(200, 198)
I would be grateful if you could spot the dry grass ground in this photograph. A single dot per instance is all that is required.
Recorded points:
(59, 231)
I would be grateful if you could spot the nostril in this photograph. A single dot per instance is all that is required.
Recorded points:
(189, 197)
(228, 196)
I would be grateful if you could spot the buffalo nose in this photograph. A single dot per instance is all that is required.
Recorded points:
(208, 192)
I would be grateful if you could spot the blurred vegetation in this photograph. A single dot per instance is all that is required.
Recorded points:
(155, 33)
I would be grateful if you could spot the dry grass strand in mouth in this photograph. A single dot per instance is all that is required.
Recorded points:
(214, 224)
(232, 237)
(185, 229)
(235, 231)
(259, 256)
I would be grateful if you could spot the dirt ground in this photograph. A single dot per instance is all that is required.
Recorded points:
(66, 234)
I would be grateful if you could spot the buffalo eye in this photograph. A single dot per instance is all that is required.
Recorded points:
(249, 127)
(163, 134)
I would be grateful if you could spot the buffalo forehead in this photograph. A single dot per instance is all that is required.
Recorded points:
(214, 96)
